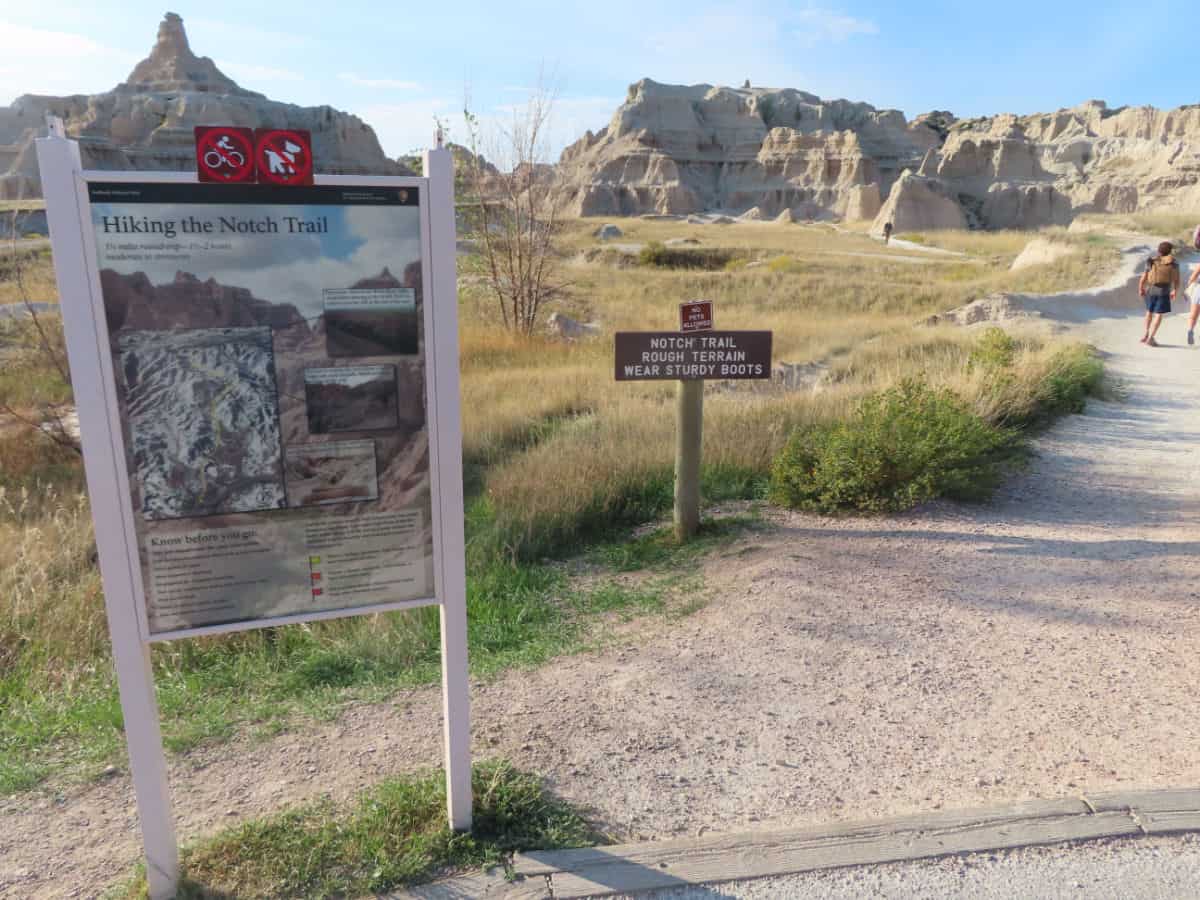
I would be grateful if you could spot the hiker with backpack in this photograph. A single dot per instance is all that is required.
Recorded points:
(1193, 296)
(1158, 286)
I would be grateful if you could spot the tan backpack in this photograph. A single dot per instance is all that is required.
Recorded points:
(1162, 271)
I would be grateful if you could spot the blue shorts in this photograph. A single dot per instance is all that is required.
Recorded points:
(1158, 300)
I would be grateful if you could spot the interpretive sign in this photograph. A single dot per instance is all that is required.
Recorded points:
(669, 355)
(696, 315)
(250, 331)
(267, 385)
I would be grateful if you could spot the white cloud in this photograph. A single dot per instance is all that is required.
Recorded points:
(816, 25)
(44, 61)
(378, 83)
(253, 72)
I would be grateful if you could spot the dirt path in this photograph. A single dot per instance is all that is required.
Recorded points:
(845, 668)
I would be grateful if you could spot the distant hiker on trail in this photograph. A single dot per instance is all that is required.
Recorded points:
(887, 232)
(1157, 287)
(1194, 298)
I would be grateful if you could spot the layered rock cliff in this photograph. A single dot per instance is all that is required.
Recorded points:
(147, 121)
(675, 149)
(763, 151)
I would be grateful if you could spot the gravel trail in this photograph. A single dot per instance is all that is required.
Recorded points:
(1039, 646)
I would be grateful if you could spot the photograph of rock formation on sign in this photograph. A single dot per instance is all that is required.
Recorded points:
(332, 472)
(350, 398)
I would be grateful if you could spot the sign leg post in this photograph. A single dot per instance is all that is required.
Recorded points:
(688, 435)
(59, 163)
(456, 690)
(148, 766)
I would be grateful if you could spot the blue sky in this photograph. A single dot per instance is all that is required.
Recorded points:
(400, 64)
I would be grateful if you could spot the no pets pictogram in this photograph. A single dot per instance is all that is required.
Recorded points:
(284, 156)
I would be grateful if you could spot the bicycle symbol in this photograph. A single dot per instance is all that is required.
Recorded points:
(224, 154)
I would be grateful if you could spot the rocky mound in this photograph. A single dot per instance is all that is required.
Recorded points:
(992, 308)
(679, 150)
(690, 149)
(1040, 251)
(147, 122)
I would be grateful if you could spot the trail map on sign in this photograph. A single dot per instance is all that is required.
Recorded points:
(203, 413)
(267, 348)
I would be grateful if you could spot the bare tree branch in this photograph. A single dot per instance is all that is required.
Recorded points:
(518, 208)
(48, 419)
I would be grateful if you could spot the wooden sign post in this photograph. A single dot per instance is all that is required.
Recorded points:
(691, 356)
(689, 433)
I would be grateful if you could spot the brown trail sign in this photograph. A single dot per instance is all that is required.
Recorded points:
(690, 356)
(670, 355)
(696, 315)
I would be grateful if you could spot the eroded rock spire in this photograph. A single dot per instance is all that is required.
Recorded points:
(172, 66)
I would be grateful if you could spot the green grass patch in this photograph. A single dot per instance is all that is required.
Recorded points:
(394, 835)
(208, 689)
(659, 549)
(637, 497)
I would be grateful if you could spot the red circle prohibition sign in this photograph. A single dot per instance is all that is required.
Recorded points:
(284, 157)
(225, 155)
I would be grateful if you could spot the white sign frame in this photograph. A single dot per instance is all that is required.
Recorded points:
(68, 208)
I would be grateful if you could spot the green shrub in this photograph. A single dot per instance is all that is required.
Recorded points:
(901, 447)
(1075, 374)
(653, 254)
(711, 259)
(996, 349)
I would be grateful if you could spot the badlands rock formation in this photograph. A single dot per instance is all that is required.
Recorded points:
(682, 150)
(146, 123)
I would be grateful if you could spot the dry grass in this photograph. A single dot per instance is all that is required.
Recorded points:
(51, 607)
(37, 276)
(21, 205)
(567, 451)
(989, 244)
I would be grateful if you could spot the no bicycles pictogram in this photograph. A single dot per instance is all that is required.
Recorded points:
(284, 156)
(224, 154)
